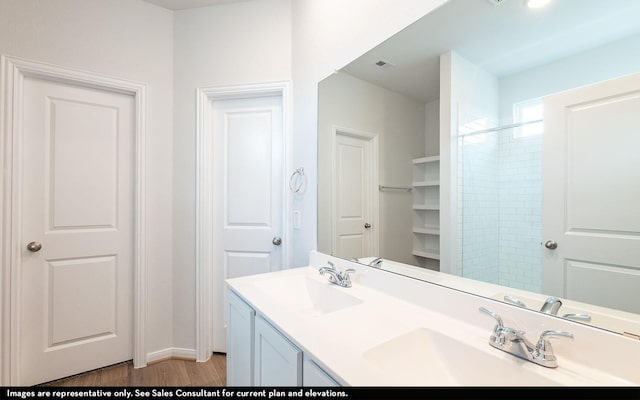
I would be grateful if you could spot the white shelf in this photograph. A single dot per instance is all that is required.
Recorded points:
(433, 254)
(426, 207)
(426, 183)
(427, 230)
(425, 160)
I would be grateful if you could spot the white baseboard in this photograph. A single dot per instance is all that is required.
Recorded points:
(171, 352)
(184, 353)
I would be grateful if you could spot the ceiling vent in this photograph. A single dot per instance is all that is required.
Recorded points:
(496, 2)
(384, 64)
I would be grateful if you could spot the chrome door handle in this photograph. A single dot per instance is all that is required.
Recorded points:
(277, 241)
(551, 245)
(34, 247)
(367, 225)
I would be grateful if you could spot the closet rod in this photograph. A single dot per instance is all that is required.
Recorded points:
(383, 187)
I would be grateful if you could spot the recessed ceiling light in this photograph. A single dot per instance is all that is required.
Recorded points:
(537, 3)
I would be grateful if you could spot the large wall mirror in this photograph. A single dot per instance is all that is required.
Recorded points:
(494, 147)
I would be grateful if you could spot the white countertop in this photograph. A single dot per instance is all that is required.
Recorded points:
(340, 341)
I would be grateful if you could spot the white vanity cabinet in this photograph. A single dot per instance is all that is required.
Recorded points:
(240, 341)
(258, 354)
(313, 375)
(278, 362)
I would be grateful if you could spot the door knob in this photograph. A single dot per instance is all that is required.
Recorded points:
(551, 245)
(367, 225)
(34, 246)
(277, 241)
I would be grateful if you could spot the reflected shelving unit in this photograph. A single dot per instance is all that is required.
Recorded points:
(426, 207)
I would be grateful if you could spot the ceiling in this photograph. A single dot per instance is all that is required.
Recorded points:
(185, 4)
(502, 39)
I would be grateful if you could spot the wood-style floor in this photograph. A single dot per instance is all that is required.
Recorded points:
(163, 373)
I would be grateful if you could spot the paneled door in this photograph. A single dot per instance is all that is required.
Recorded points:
(247, 196)
(76, 229)
(354, 191)
(591, 212)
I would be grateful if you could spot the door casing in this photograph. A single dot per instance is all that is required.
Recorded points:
(205, 240)
(13, 71)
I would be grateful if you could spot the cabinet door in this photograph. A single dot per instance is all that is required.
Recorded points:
(277, 361)
(313, 375)
(240, 340)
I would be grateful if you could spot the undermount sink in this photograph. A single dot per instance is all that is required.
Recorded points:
(306, 296)
(428, 357)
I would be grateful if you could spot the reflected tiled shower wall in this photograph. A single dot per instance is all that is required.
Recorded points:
(501, 209)
(520, 211)
(480, 213)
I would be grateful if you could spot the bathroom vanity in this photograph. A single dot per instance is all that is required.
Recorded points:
(261, 355)
(295, 328)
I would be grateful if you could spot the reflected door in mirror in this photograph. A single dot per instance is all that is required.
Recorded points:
(591, 187)
(354, 189)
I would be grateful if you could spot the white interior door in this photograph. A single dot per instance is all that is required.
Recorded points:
(76, 229)
(353, 197)
(248, 194)
(591, 191)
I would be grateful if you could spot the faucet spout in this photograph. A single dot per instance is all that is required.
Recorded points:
(336, 277)
(376, 262)
(551, 305)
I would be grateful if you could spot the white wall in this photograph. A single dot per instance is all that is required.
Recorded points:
(467, 94)
(128, 40)
(238, 43)
(327, 35)
(399, 123)
(432, 128)
(601, 63)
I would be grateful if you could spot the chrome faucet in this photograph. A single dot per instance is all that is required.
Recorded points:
(376, 262)
(514, 342)
(551, 306)
(336, 277)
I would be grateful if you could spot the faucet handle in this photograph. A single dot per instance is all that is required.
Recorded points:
(348, 271)
(579, 317)
(346, 278)
(515, 301)
(500, 325)
(328, 267)
(544, 349)
(549, 334)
